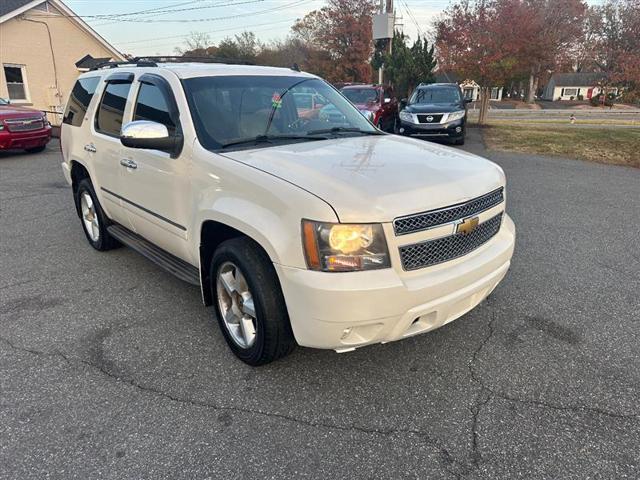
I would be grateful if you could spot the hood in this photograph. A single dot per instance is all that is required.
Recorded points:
(434, 107)
(378, 178)
(15, 111)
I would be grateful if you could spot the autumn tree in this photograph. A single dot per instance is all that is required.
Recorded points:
(340, 37)
(195, 42)
(483, 40)
(244, 47)
(615, 42)
(553, 34)
(285, 53)
(406, 66)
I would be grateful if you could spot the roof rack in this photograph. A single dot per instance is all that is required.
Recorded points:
(154, 60)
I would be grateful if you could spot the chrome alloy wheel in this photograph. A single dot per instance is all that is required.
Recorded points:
(89, 216)
(236, 305)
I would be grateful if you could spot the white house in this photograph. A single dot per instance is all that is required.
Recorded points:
(572, 86)
(470, 88)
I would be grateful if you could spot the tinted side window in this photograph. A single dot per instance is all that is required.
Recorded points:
(111, 109)
(79, 100)
(152, 105)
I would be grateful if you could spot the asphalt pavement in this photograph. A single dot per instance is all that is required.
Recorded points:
(111, 368)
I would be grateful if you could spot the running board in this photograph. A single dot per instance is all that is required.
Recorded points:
(160, 257)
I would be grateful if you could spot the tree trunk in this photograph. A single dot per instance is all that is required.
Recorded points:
(531, 91)
(485, 93)
(520, 89)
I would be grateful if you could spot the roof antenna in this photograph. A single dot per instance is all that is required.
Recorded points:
(295, 67)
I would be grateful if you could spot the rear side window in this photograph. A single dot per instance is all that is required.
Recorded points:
(79, 100)
(152, 106)
(111, 109)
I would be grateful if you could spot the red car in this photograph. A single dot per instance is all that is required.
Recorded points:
(377, 102)
(23, 128)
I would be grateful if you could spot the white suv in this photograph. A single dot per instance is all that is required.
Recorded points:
(301, 224)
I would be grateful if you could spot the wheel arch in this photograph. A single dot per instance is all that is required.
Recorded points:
(78, 173)
(212, 234)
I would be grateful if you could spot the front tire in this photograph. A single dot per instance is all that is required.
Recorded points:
(249, 303)
(94, 221)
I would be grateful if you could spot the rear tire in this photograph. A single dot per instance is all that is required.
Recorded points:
(36, 149)
(94, 221)
(249, 303)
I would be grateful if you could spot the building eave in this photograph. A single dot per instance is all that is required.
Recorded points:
(71, 16)
(20, 10)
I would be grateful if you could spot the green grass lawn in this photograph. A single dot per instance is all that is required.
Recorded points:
(602, 145)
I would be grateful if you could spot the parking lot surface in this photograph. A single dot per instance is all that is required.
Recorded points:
(111, 368)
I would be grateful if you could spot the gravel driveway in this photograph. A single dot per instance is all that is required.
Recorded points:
(111, 368)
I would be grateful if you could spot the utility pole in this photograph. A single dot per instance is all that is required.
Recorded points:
(383, 25)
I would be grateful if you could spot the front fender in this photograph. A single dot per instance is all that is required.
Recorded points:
(262, 206)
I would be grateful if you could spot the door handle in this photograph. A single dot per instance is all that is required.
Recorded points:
(128, 163)
(90, 147)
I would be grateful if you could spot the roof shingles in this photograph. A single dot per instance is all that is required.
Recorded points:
(578, 79)
(8, 6)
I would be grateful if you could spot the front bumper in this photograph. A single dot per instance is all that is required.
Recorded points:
(343, 311)
(24, 140)
(453, 129)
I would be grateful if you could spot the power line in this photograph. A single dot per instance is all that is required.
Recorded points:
(412, 17)
(165, 12)
(173, 44)
(155, 11)
(228, 17)
(209, 32)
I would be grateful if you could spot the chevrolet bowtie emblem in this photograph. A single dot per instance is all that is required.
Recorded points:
(467, 226)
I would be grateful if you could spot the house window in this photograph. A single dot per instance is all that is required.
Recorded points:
(495, 93)
(468, 93)
(15, 76)
(570, 92)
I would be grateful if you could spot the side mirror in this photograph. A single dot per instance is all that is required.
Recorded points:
(150, 136)
(403, 103)
(467, 100)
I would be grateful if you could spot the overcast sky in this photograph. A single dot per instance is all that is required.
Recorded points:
(268, 19)
(162, 31)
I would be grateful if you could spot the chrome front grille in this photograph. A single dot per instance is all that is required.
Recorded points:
(433, 218)
(432, 252)
(24, 124)
(435, 117)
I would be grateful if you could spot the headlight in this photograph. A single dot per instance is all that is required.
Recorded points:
(455, 115)
(406, 116)
(368, 114)
(341, 247)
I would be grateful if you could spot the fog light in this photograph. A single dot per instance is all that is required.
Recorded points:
(458, 129)
(401, 130)
(345, 333)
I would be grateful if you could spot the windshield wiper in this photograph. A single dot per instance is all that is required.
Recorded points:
(342, 130)
(270, 139)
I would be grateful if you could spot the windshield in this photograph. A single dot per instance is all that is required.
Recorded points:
(229, 110)
(436, 95)
(361, 95)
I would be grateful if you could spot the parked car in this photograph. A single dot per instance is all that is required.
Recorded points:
(437, 110)
(327, 234)
(23, 128)
(377, 102)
